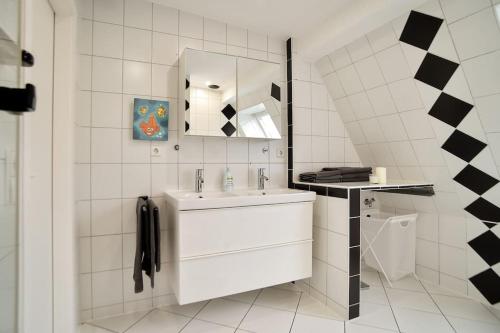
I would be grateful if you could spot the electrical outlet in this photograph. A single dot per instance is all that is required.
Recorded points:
(155, 151)
(280, 153)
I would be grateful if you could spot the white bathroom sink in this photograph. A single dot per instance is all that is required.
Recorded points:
(184, 200)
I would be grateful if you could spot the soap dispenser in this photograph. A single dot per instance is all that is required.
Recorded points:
(228, 181)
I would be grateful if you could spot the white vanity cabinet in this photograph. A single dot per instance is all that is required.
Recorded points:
(222, 251)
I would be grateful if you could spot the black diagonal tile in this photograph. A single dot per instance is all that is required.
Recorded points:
(463, 146)
(228, 111)
(449, 109)
(276, 91)
(186, 106)
(420, 30)
(187, 83)
(186, 126)
(228, 129)
(487, 246)
(485, 211)
(475, 179)
(436, 71)
(487, 283)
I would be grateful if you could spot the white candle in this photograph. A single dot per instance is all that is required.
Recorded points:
(381, 174)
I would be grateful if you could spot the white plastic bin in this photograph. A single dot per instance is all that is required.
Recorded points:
(393, 238)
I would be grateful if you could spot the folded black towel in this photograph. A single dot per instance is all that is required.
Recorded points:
(349, 170)
(337, 175)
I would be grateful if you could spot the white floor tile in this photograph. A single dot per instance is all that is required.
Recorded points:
(411, 300)
(371, 277)
(160, 322)
(189, 310)
(265, 320)
(306, 324)
(310, 306)
(288, 286)
(406, 283)
(464, 308)
(376, 315)
(247, 297)
(374, 294)
(224, 312)
(412, 321)
(199, 326)
(120, 323)
(91, 329)
(355, 328)
(278, 299)
(471, 326)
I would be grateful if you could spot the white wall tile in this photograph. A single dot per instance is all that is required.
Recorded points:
(106, 110)
(334, 86)
(452, 261)
(106, 145)
(84, 36)
(381, 100)
(164, 80)
(136, 78)
(319, 97)
(405, 95)
(428, 152)
(257, 41)
(483, 74)
(165, 19)
(107, 74)
(476, 34)
(336, 150)
(403, 154)
(236, 36)
(340, 58)
(350, 80)
(137, 44)
(393, 64)
(361, 105)
(392, 127)
(417, 124)
(215, 150)
(82, 142)
(83, 108)
(257, 54)
(337, 286)
(163, 177)
(84, 8)
(106, 217)
(82, 215)
(214, 31)
(136, 180)
(338, 251)
(359, 49)
(382, 38)
(107, 40)
(84, 72)
(139, 14)
(107, 288)
(106, 181)
(319, 149)
(372, 130)
(110, 11)
(134, 151)
(369, 72)
(301, 94)
(190, 25)
(85, 254)
(82, 181)
(457, 9)
(319, 121)
(106, 253)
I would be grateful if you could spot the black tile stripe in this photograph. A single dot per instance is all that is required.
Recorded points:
(354, 260)
(228, 129)
(436, 71)
(337, 192)
(487, 283)
(463, 145)
(354, 286)
(353, 311)
(289, 111)
(420, 30)
(354, 231)
(475, 180)
(450, 110)
(304, 187)
(228, 111)
(276, 91)
(320, 190)
(485, 211)
(487, 245)
(354, 202)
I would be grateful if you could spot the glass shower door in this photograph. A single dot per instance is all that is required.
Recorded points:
(9, 181)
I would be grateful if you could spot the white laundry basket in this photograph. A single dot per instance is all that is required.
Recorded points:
(390, 239)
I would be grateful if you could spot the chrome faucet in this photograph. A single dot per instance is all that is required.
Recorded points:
(198, 181)
(261, 178)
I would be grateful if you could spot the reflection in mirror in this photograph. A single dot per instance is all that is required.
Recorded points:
(211, 94)
(259, 95)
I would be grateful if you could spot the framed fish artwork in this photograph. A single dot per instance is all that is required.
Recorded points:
(150, 120)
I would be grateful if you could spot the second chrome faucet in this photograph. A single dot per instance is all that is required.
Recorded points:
(199, 180)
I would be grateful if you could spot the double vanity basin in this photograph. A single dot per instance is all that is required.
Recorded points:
(227, 243)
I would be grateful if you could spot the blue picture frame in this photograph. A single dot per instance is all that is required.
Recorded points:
(150, 120)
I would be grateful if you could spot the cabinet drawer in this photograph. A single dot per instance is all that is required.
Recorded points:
(215, 276)
(202, 232)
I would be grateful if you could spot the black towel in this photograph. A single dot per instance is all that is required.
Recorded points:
(147, 253)
(142, 220)
(337, 175)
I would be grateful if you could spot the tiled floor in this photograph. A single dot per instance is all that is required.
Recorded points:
(410, 306)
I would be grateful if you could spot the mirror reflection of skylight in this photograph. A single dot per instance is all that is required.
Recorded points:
(497, 12)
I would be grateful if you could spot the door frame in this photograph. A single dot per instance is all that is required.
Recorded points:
(63, 272)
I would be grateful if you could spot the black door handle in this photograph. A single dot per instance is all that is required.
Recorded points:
(18, 99)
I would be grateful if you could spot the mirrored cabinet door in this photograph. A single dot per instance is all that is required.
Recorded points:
(259, 95)
(229, 96)
(210, 94)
